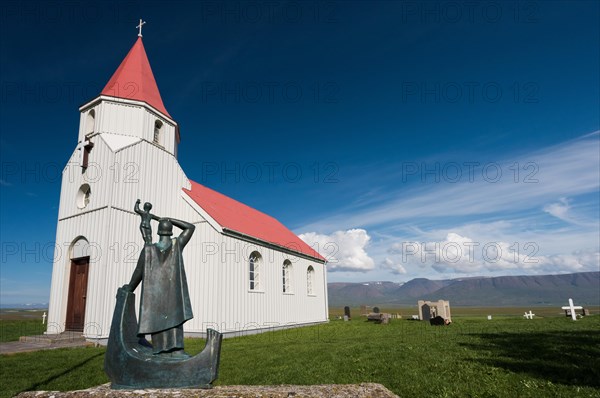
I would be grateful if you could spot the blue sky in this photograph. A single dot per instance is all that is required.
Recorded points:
(404, 139)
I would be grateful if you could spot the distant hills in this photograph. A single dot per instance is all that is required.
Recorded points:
(30, 306)
(583, 287)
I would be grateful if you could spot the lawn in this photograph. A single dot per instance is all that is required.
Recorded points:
(473, 357)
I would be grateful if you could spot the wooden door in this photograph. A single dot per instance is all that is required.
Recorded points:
(77, 294)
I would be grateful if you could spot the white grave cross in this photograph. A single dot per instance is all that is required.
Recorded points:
(572, 308)
(44, 318)
(529, 315)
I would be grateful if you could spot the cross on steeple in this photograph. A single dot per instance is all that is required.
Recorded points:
(142, 23)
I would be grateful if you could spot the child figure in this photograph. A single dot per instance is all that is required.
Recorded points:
(146, 218)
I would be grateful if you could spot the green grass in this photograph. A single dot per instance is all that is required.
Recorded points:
(11, 330)
(505, 357)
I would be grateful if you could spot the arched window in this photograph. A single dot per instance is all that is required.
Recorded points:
(287, 276)
(157, 129)
(254, 263)
(83, 196)
(310, 278)
(89, 122)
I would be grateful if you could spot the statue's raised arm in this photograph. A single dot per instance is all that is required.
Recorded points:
(188, 229)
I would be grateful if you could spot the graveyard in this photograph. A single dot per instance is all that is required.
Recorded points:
(549, 355)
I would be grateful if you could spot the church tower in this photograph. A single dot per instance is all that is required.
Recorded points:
(126, 149)
(130, 107)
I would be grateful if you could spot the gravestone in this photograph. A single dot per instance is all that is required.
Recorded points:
(379, 317)
(529, 315)
(570, 309)
(426, 312)
(347, 313)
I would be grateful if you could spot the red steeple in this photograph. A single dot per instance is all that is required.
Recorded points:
(134, 80)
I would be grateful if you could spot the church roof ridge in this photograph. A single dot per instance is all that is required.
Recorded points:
(134, 79)
(241, 218)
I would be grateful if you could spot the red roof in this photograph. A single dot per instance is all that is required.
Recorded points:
(238, 217)
(134, 80)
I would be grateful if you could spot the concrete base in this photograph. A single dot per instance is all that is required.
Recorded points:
(44, 342)
(363, 390)
(63, 337)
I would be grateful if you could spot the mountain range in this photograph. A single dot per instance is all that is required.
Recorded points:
(540, 290)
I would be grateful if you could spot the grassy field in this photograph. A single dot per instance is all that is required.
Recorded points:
(17, 323)
(473, 357)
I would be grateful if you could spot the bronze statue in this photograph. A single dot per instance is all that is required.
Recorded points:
(145, 227)
(130, 361)
(165, 304)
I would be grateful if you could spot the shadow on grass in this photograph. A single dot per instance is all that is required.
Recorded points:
(52, 378)
(570, 358)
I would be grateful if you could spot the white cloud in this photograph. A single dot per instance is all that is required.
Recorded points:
(563, 210)
(464, 255)
(559, 210)
(344, 250)
(456, 253)
(581, 261)
(394, 266)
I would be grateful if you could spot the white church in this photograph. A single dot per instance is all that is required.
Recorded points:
(246, 272)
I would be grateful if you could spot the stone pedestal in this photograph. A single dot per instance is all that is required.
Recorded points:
(363, 390)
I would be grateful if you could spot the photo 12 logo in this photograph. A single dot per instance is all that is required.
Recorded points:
(270, 172)
(269, 92)
(469, 12)
(470, 252)
(470, 172)
(468, 92)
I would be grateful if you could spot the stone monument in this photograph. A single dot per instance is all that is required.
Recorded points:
(131, 361)
(347, 316)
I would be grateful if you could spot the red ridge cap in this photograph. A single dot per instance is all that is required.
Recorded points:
(134, 79)
(238, 217)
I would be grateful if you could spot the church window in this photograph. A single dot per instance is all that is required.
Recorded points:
(89, 122)
(83, 196)
(254, 264)
(310, 276)
(157, 130)
(287, 276)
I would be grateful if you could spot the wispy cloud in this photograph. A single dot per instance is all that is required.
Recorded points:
(560, 171)
(542, 205)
